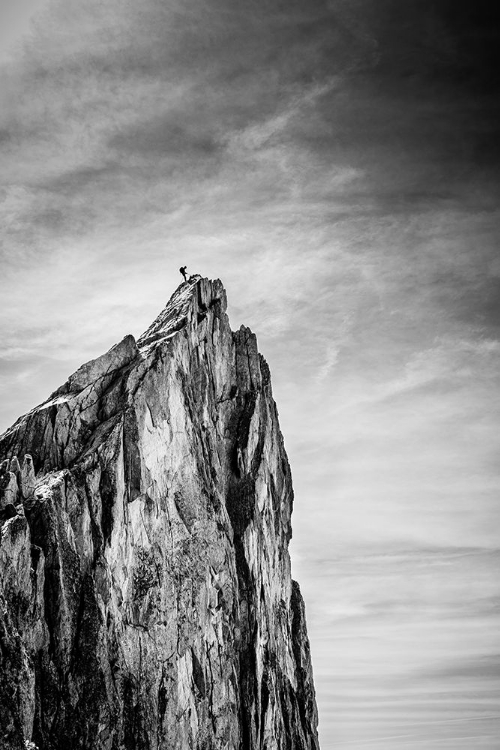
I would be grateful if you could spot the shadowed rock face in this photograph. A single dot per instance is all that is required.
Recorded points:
(146, 600)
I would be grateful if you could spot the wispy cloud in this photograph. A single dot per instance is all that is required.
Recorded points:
(404, 657)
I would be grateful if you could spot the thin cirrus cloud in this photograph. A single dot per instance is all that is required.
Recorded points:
(376, 689)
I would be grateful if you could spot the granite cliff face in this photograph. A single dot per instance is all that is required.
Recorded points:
(146, 600)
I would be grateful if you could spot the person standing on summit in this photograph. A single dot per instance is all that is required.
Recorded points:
(182, 270)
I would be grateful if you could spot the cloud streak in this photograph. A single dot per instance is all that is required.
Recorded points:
(377, 690)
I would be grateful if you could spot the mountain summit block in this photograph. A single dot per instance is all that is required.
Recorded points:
(146, 601)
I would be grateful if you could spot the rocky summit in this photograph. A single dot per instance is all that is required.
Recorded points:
(146, 600)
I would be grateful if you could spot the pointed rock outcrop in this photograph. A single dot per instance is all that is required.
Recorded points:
(146, 599)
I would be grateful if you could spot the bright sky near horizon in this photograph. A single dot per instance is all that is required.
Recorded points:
(336, 164)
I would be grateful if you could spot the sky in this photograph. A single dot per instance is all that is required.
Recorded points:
(337, 164)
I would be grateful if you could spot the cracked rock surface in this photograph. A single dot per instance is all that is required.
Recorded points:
(146, 600)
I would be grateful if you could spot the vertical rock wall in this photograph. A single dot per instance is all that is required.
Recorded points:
(146, 600)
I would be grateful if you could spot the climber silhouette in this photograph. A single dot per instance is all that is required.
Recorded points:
(182, 269)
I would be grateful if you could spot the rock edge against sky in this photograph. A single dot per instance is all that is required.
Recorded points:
(146, 594)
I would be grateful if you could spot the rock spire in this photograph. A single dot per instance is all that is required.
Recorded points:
(146, 600)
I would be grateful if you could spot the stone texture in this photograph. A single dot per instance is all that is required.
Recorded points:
(146, 600)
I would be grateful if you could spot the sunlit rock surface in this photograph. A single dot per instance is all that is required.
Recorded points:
(146, 600)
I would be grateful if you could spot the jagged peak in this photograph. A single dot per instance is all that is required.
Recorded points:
(145, 518)
(189, 303)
